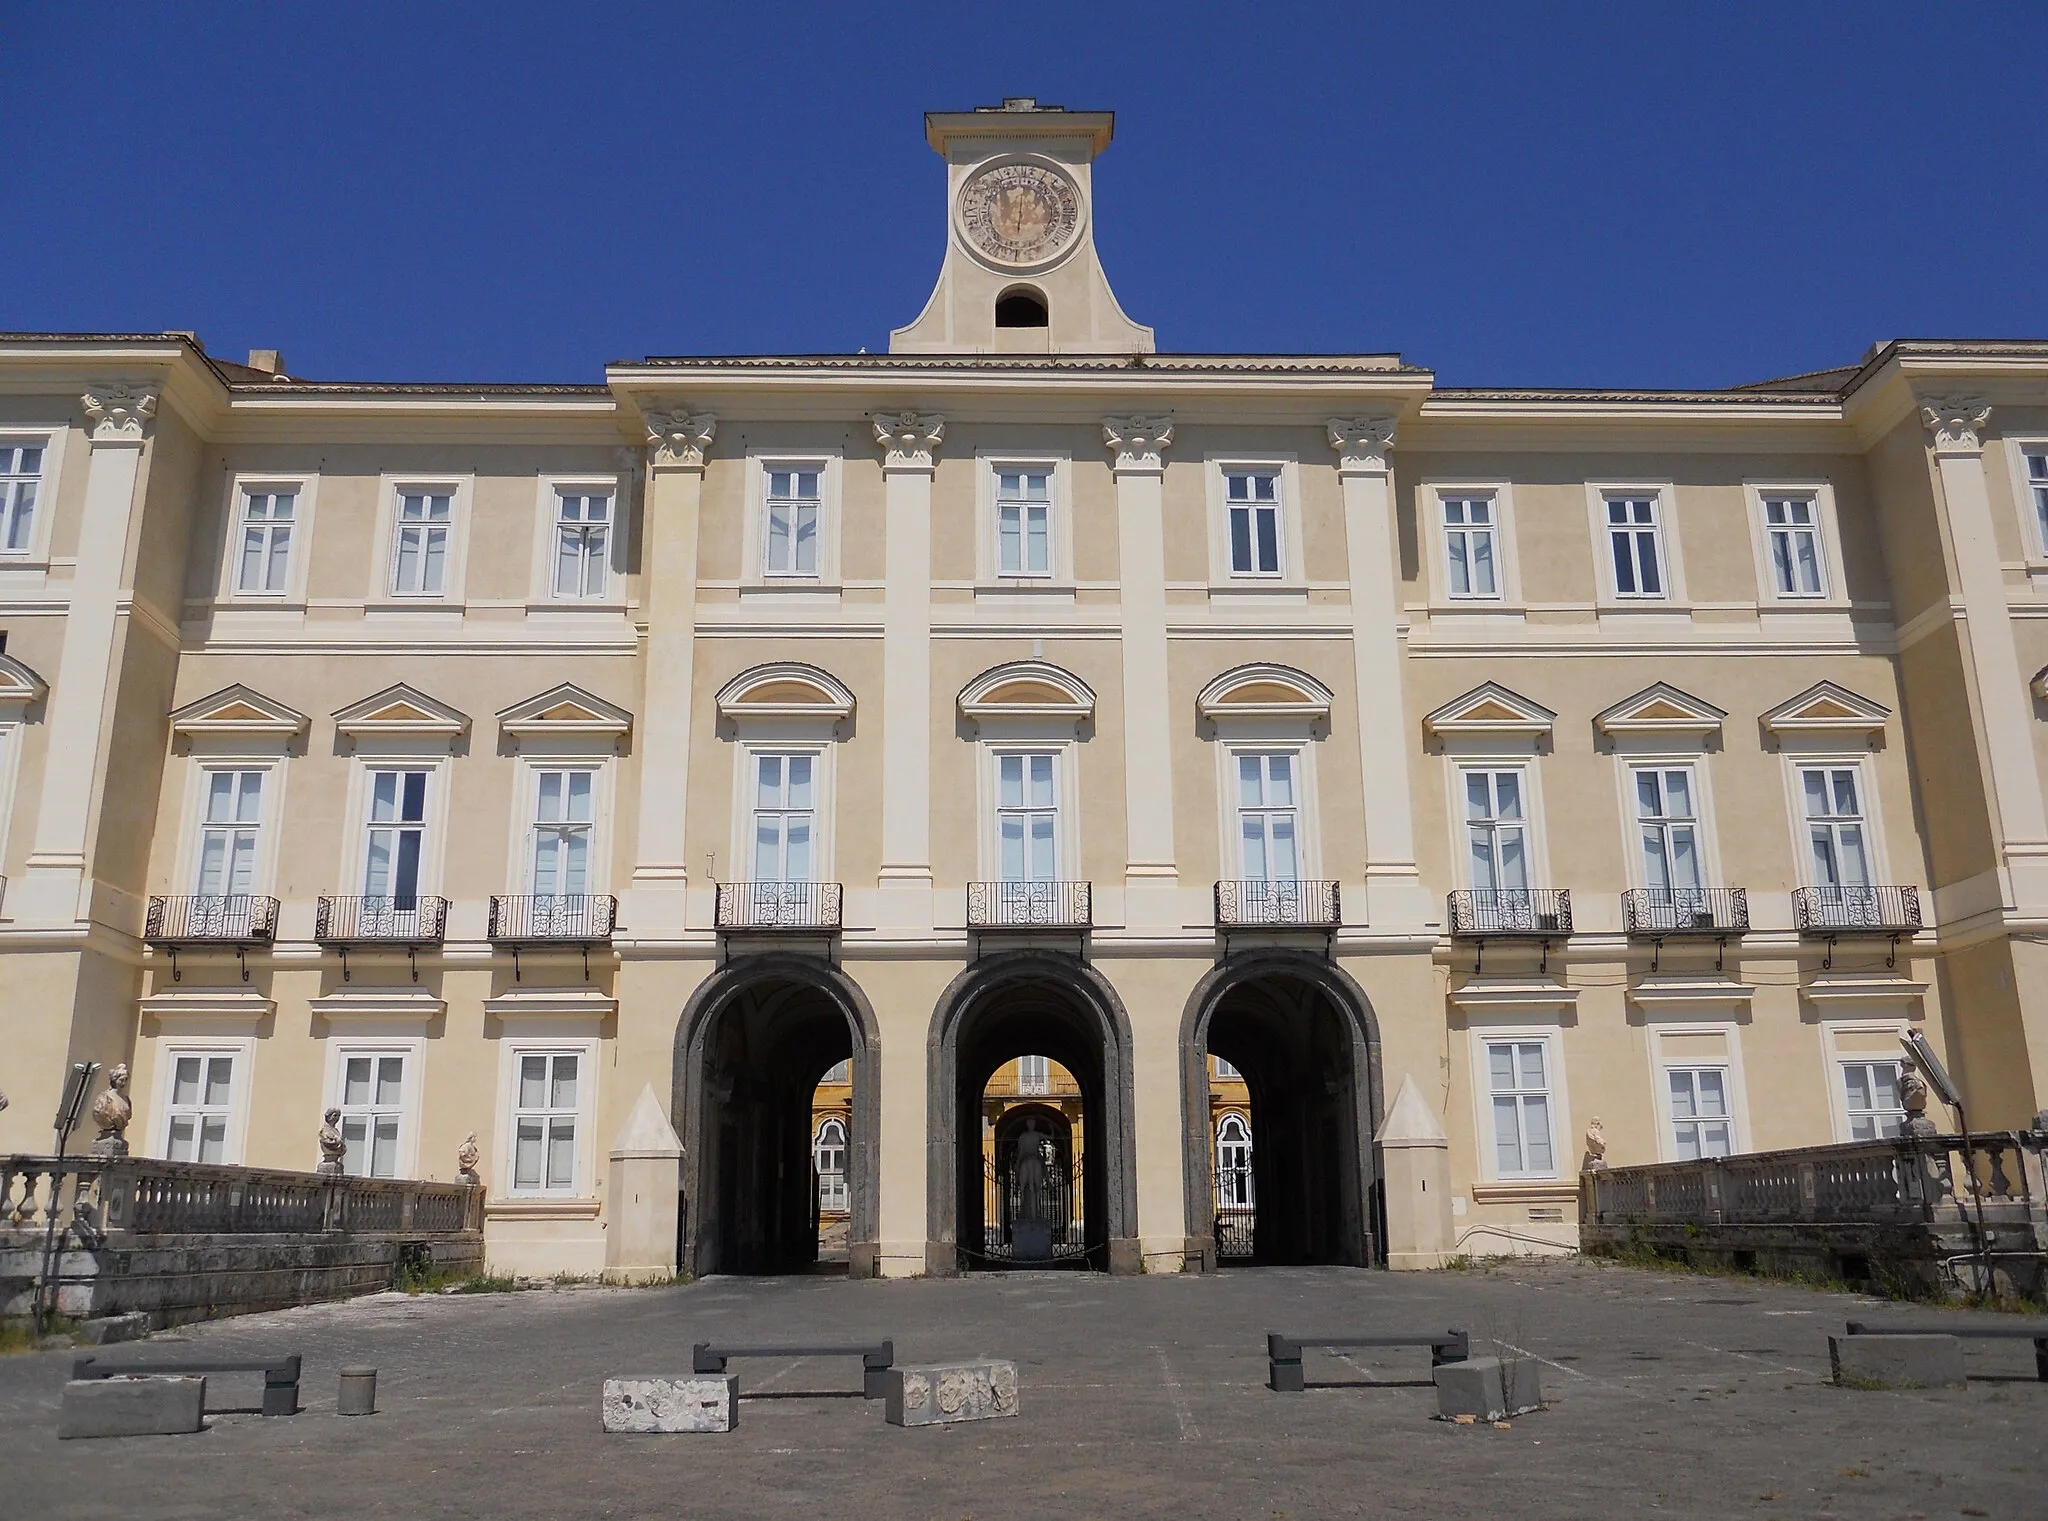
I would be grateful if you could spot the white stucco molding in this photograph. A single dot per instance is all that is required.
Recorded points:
(1957, 422)
(395, 1006)
(1827, 712)
(1683, 995)
(20, 687)
(218, 1009)
(1856, 994)
(562, 711)
(1035, 689)
(552, 1004)
(241, 712)
(120, 411)
(400, 712)
(1362, 444)
(1262, 689)
(1497, 997)
(909, 440)
(1490, 709)
(678, 438)
(1658, 709)
(785, 689)
(1139, 443)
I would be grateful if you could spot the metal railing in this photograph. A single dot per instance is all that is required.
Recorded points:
(211, 919)
(553, 918)
(1049, 1208)
(1249, 902)
(1848, 910)
(1654, 912)
(368, 921)
(1029, 905)
(779, 905)
(1235, 1233)
(1532, 913)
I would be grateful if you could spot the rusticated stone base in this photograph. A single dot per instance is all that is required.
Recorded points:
(672, 1404)
(942, 1393)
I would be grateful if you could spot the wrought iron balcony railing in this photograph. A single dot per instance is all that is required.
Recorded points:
(776, 906)
(211, 919)
(553, 918)
(1527, 913)
(1250, 903)
(1651, 913)
(1029, 905)
(1856, 910)
(380, 921)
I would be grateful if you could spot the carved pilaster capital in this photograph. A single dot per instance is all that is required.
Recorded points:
(909, 440)
(1955, 422)
(120, 411)
(678, 439)
(1362, 444)
(1140, 443)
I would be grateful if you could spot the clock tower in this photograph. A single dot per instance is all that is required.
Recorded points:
(1021, 275)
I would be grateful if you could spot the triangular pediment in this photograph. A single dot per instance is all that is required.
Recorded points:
(400, 710)
(1265, 690)
(1825, 708)
(565, 709)
(1491, 708)
(1661, 709)
(1028, 689)
(238, 709)
(20, 686)
(785, 689)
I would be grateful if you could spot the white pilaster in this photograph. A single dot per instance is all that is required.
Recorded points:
(676, 442)
(909, 442)
(1150, 875)
(1393, 884)
(53, 887)
(2001, 696)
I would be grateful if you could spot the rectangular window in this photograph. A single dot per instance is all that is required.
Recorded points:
(420, 559)
(1225, 1072)
(562, 825)
(2037, 483)
(1635, 538)
(1870, 1093)
(1834, 827)
(1793, 524)
(1470, 547)
(1496, 831)
(785, 818)
(1517, 1074)
(1024, 522)
(231, 820)
(1700, 1126)
(372, 1110)
(202, 1088)
(397, 826)
(1253, 500)
(1034, 1074)
(544, 1123)
(1027, 817)
(1267, 818)
(1667, 822)
(265, 555)
(583, 525)
(21, 483)
(795, 505)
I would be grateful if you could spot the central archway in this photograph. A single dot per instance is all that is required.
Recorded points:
(751, 1045)
(1018, 1003)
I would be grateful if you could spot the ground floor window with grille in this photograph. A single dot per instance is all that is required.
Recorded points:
(828, 1151)
(544, 1122)
(372, 1112)
(1233, 1163)
(200, 1107)
(1518, 1074)
(1700, 1125)
(1871, 1100)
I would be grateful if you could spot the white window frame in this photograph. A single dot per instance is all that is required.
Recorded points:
(1662, 494)
(1307, 857)
(240, 1080)
(1834, 595)
(1466, 532)
(542, 595)
(270, 816)
(413, 1052)
(1031, 810)
(596, 866)
(2019, 449)
(1704, 850)
(305, 486)
(585, 1113)
(824, 767)
(1796, 765)
(989, 572)
(1430, 495)
(367, 823)
(746, 869)
(1291, 574)
(1562, 1165)
(1869, 1061)
(1250, 1178)
(51, 439)
(460, 488)
(1035, 1081)
(1666, 1053)
(1224, 1072)
(373, 755)
(1067, 801)
(755, 571)
(1460, 822)
(1880, 1033)
(845, 1148)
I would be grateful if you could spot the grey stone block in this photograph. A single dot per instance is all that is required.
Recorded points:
(108, 1329)
(115, 1407)
(672, 1404)
(1897, 1362)
(942, 1393)
(1485, 1389)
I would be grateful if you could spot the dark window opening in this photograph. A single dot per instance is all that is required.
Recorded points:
(1022, 308)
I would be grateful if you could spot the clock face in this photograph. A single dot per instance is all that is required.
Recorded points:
(1020, 214)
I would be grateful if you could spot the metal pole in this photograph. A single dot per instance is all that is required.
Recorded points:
(68, 1110)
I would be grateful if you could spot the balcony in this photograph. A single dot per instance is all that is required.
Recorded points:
(1833, 911)
(1029, 905)
(238, 920)
(1254, 904)
(1653, 913)
(411, 921)
(540, 919)
(1512, 913)
(779, 907)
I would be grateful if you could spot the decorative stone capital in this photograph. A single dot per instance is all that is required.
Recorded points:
(1140, 443)
(1955, 422)
(1362, 444)
(678, 439)
(908, 439)
(120, 412)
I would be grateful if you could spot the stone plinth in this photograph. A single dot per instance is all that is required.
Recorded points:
(159, 1405)
(1486, 1389)
(1897, 1362)
(672, 1404)
(943, 1393)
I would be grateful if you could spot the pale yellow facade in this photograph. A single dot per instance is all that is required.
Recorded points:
(1182, 661)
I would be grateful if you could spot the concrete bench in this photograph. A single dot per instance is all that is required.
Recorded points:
(875, 1360)
(2036, 1333)
(1283, 1352)
(280, 1374)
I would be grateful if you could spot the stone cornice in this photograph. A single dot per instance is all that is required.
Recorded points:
(909, 440)
(1956, 422)
(1139, 443)
(120, 411)
(1362, 444)
(678, 440)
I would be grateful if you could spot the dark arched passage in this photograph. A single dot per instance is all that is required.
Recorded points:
(1019, 1003)
(751, 1045)
(1304, 1036)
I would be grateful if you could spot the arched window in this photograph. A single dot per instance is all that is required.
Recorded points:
(1233, 1163)
(828, 1151)
(1021, 307)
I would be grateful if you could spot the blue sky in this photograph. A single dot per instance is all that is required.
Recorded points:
(1646, 194)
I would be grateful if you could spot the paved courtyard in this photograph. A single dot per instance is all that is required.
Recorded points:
(1673, 1395)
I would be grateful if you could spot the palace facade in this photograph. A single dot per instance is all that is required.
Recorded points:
(475, 758)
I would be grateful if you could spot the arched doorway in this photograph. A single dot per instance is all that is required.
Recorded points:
(752, 1044)
(1029, 1003)
(1302, 1038)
